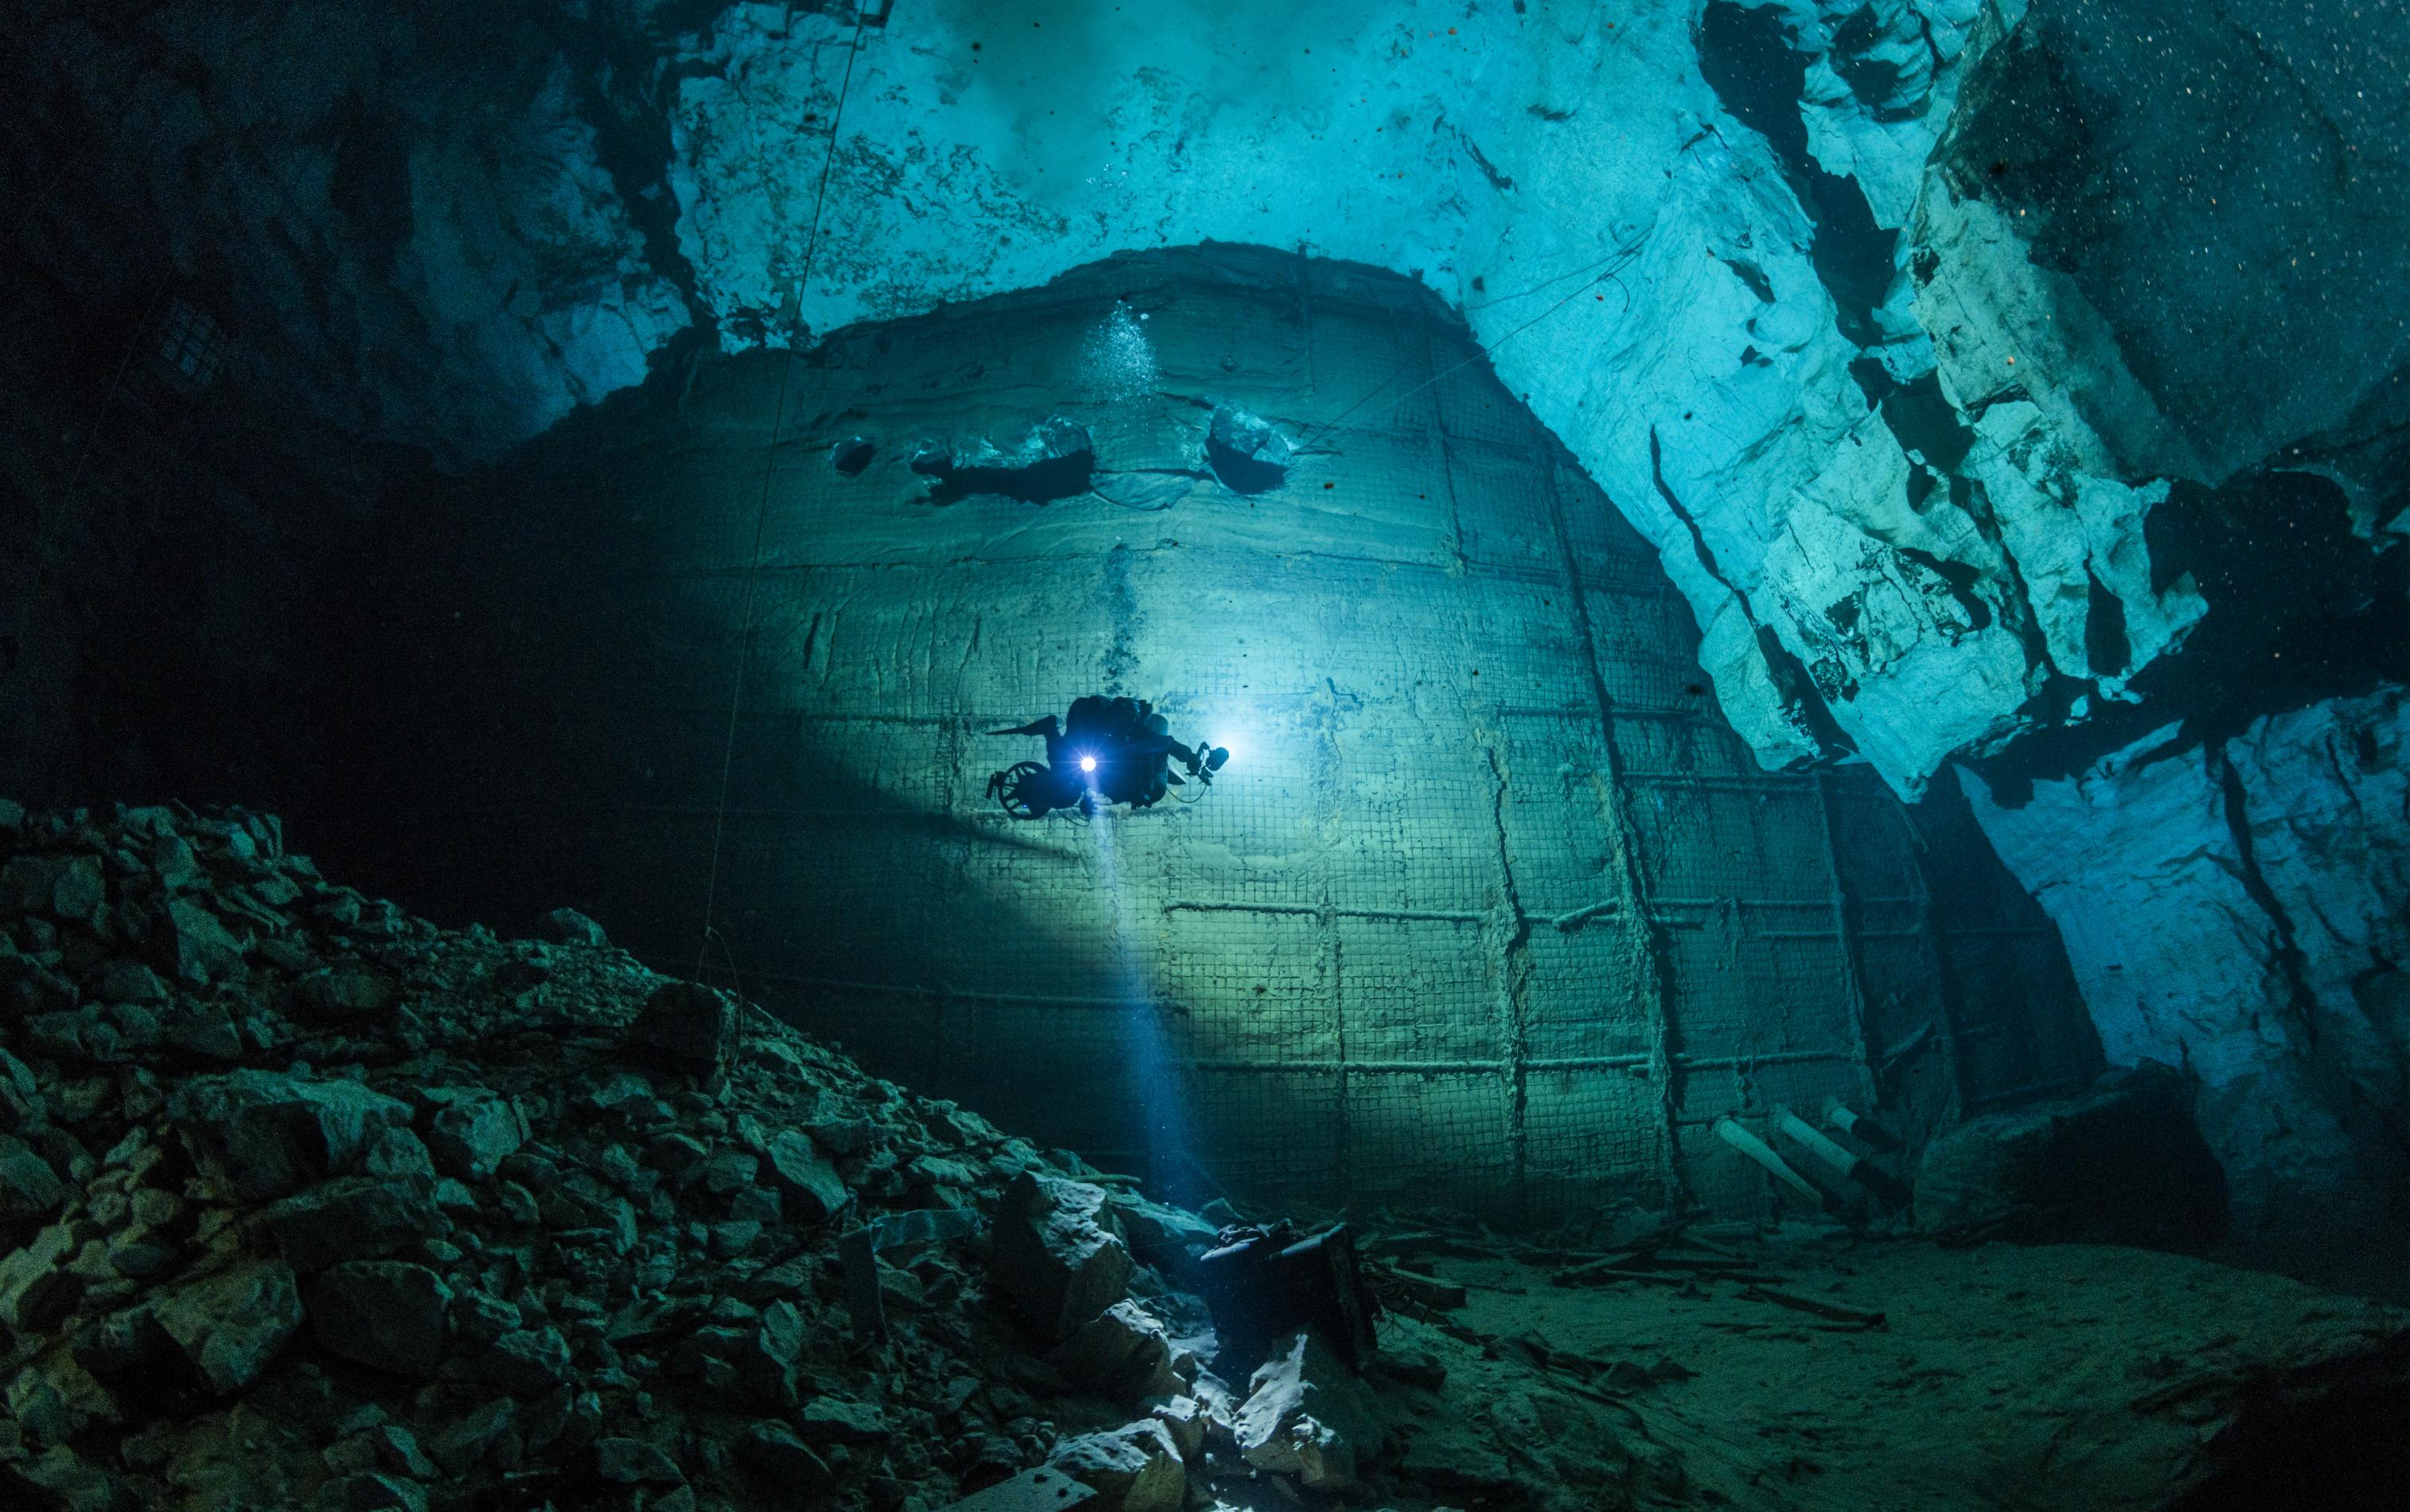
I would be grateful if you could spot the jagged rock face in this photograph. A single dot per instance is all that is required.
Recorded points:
(398, 214)
(1883, 321)
(2216, 190)
(2238, 908)
(1783, 200)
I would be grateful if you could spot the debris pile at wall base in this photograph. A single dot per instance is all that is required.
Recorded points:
(307, 1203)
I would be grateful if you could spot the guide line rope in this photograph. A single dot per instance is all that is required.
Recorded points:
(1611, 265)
(761, 524)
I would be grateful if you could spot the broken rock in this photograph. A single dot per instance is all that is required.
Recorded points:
(1122, 1354)
(36, 1285)
(632, 1462)
(267, 1133)
(471, 1132)
(567, 927)
(2124, 1163)
(1135, 1469)
(29, 1188)
(686, 1026)
(57, 1477)
(816, 1189)
(1307, 1416)
(385, 1314)
(772, 1451)
(1057, 1252)
(197, 945)
(341, 994)
(231, 1325)
(356, 1218)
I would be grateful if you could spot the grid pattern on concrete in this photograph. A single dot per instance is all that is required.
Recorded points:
(1491, 909)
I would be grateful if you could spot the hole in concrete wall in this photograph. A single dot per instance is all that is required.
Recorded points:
(1747, 58)
(1245, 452)
(1062, 464)
(853, 456)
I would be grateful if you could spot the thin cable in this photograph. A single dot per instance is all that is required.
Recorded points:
(1547, 284)
(1613, 265)
(761, 521)
(92, 433)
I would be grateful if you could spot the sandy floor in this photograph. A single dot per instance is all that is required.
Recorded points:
(2053, 1377)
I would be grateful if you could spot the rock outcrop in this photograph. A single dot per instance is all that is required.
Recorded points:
(1306, 1414)
(2123, 1163)
(2236, 907)
(407, 229)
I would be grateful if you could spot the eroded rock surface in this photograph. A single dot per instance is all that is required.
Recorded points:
(2236, 907)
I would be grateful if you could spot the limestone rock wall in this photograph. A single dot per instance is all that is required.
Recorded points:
(400, 217)
(2237, 907)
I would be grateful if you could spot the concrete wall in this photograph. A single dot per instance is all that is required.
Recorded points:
(1491, 908)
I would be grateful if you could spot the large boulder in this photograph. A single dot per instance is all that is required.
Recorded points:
(265, 1133)
(36, 1287)
(686, 1026)
(345, 993)
(1136, 1468)
(813, 1188)
(386, 1314)
(1308, 1416)
(356, 1218)
(772, 1451)
(2123, 1164)
(30, 1191)
(197, 945)
(22, 1107)
(1169, 1239)
(1057, 1252)
(1122, 1354)
(567, 927)
(470, 1131)
(231, 1325)
(70, 887)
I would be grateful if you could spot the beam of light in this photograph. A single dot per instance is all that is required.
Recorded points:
(1087, 763)
(1153, 1077)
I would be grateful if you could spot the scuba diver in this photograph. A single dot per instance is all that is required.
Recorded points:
(1105, 751)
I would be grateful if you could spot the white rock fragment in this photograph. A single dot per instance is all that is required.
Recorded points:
(1136, 1468)
(1307, 1416)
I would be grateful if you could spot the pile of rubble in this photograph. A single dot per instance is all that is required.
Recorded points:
(304, 1202)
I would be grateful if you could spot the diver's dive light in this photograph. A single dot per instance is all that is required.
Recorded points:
(1087, 763)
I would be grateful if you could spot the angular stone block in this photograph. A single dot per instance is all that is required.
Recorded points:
(1057, 1252)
